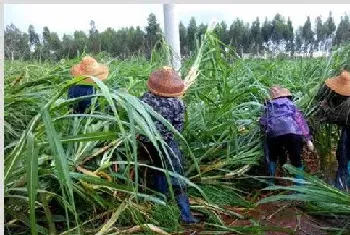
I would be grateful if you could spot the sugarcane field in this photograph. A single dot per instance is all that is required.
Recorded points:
(220, 126)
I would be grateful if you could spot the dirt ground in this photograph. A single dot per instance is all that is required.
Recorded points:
(287, 215)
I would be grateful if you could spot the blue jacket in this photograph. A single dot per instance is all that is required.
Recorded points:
(77, 91)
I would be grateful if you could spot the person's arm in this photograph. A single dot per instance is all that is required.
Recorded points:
(318, 114)
(179, 117)
(304, 129)
(338, 115)
(302, 124)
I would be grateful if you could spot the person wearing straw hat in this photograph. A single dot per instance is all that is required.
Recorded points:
(335, 109)
(165, 89)
(285, 130)
(88, 67)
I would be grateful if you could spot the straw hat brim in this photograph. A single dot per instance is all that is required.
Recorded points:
(339, 85)
(101, 72)
(280, 92)
(166, 82)
(165, 94)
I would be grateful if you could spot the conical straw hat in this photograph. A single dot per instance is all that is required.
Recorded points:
(89, 67)
(166, 82)
(340, 84)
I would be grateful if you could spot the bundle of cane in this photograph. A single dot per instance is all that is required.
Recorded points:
(193, 73)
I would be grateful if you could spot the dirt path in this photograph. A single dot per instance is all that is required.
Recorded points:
(273, 215)
(285, 215)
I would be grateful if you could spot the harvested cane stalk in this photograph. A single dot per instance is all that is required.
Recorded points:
(143, 227)
(192, 75)
(101, 150)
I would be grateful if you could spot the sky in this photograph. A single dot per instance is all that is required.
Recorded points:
(66, 18)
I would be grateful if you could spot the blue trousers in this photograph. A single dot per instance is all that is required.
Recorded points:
(343, 158)
(173, 163)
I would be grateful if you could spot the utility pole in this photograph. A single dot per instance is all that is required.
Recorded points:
(172, 36)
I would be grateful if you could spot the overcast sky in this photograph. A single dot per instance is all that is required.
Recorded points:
(66, 18)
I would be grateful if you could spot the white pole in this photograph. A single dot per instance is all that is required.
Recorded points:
(172, 36)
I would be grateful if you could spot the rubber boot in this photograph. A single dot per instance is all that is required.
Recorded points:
(299, 177)
(184, 206)
(272, 170)
(342, 179)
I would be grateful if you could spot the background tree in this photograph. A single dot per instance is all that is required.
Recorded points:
(16, 43)
(94, 42)
(183, 39)
(80, 42)
(221, 31)
(320, 31)
(45, 52)
(308, 36)
(290, 37)
(202, 28)
(237, 34)
(330, 26)
(137, 41)
(34, 42)
(275, 35)
(109, 41)
(278, 32)
(191, 35)
(68, 49)
(153, 32)
(343, 31)
(256, 37)
(266, 32)
(299, 40)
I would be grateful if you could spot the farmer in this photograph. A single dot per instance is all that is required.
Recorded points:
(165, 87)
(285, 130)
(335, 109)
(87, 67)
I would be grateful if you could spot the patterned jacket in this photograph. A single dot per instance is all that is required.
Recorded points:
(337, 108)
(282, 117)
(171, 108)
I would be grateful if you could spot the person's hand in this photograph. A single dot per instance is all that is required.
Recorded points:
(310, 146)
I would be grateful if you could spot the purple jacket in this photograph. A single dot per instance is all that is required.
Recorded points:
(281, 117)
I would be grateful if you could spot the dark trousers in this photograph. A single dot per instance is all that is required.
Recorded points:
(280, 145)
(160, 184)
(174, 163)
(343, 157)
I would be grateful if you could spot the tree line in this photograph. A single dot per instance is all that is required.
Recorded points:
(273, 36)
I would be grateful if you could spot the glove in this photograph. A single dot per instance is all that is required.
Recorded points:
(310, 146)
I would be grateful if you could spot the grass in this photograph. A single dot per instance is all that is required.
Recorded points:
(59, 177)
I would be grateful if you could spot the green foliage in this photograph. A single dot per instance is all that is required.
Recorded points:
(70, 182)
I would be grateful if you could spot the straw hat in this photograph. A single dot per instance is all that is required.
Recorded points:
(166, 82)
(277, 91)
(89, 67)
(340, 84)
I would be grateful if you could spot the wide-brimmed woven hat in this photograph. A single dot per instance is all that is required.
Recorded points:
(89, 67)
(277, 91)
(340, 84)
(166, 82)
